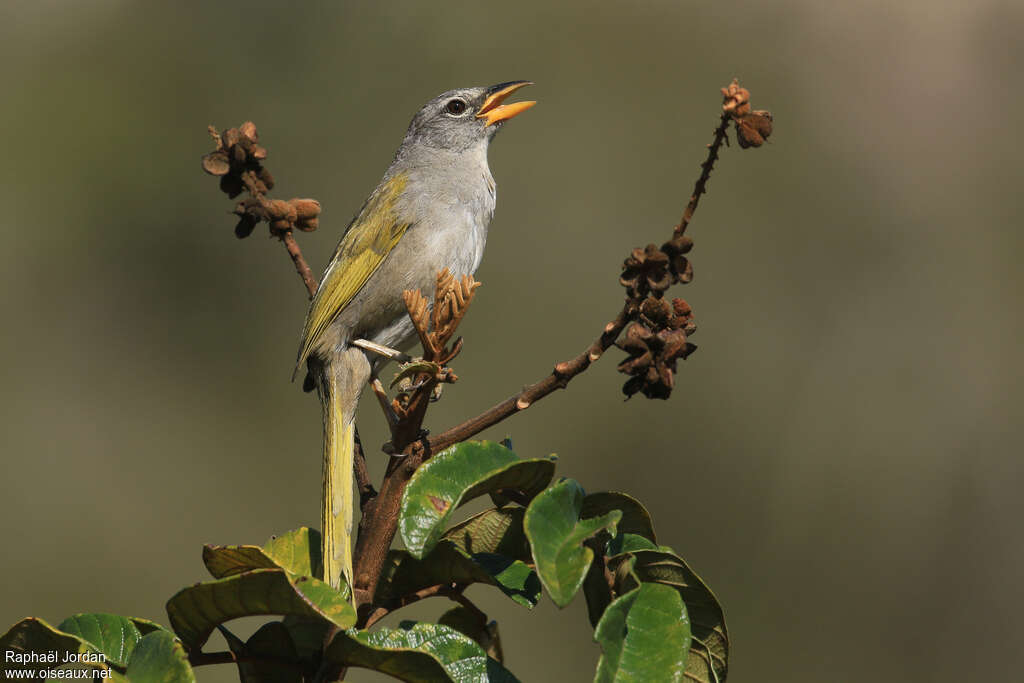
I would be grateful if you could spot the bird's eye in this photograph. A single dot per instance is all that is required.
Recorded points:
(455, 107)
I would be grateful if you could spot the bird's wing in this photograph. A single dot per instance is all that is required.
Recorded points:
(372, 235)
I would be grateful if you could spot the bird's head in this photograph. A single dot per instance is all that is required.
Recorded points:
(465, 117)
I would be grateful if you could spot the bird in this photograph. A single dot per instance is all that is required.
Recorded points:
(430, 211)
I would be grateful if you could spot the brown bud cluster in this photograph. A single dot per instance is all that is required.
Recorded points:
(282, 216)
(652, 270)
(238, 153)
(655, 341)
(752, 126)
(657, 338)
(238, 161)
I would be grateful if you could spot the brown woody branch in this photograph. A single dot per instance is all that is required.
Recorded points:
(452, 591)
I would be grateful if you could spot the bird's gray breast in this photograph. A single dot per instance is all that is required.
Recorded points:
(448, 204)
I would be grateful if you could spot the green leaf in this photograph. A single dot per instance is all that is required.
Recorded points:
(635, 518)
(626, 543)
(556, 535)
(223, 561)
(113, 635)
(146, 626)
(195, 611)
(456, 476)
(413, 368)
(272, 641)
(596, 591)
(644, 636)
(297, 552)
(418, 653)
(635, 531)
(469, 623)
(159, 658)
(308, 636)
(403, 574)
(498, 530)
(34, 636)
(708, 661)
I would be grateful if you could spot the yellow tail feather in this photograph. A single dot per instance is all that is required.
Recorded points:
(337, 504)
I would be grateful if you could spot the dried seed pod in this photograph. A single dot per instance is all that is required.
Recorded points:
(305, 208)
(216, 163)
(646, 270)
(265, 178)
(248, 129)
(736, 99)
(230, 138)
(245, 226)
(754, 128)
(279, 209)
(231, 185)
(656, 310)
(655, 342)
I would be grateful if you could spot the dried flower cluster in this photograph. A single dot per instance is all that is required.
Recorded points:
(655, 341)
(238, 161)
(752, 126)
(419, 381)
(653, 270)
(657, 338)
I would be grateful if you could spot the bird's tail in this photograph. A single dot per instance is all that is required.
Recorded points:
(340, 385)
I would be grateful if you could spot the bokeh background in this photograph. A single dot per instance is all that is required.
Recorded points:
(841, 459)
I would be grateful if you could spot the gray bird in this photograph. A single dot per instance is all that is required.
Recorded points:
(429, 212)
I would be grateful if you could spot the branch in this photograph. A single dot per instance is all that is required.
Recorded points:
(700, 187)
(301, 267)
(436, 326)
(452, 591)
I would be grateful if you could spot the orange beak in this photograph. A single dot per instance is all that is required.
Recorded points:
(494, 111)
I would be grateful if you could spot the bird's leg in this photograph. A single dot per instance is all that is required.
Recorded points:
(381, 350)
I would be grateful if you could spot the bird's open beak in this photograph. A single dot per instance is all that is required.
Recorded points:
(494, 111)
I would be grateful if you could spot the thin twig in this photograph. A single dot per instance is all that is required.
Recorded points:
(301, 267)
(700, 187)
(252, 185)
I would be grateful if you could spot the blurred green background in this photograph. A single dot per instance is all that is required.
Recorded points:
(841, 459)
